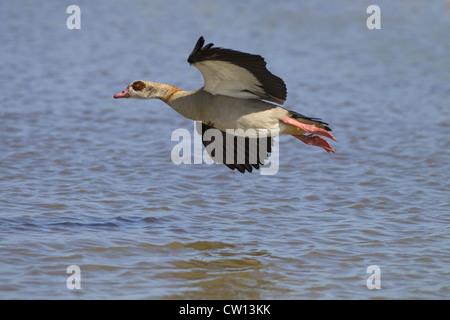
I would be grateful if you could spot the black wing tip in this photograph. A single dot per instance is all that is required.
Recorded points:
(199, 46)
(200, 43)
(243, 168)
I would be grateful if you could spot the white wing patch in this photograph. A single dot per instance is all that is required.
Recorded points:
(225, 78)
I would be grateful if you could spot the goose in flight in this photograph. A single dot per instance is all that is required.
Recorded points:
(239, 95)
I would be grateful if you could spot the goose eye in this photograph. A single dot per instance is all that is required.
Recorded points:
(138, 86)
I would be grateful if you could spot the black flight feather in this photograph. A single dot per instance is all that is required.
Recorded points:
(264, 146)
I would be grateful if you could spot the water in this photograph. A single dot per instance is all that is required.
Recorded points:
(87, 180)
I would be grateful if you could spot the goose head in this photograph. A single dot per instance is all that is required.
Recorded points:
(141, 89)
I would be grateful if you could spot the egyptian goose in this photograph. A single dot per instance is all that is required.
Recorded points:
(237, 94)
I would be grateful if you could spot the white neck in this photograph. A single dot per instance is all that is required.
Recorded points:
(163, 91)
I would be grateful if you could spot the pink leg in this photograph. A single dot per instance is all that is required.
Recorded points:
(308, 128)
(315, 141)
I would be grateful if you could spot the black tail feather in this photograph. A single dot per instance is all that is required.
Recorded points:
(296, 115)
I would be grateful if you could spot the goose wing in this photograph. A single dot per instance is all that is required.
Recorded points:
(236, 74)
(239, 153)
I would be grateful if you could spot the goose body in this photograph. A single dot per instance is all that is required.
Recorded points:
(257, 114)
(239, 95)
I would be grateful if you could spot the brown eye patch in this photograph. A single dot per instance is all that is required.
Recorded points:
(138, 85)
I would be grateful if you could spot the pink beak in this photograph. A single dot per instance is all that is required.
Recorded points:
(124, 94)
